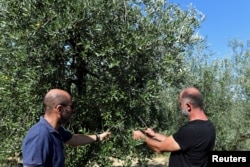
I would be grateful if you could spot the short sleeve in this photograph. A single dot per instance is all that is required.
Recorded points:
(66, 135)
(185, 137)
(35, 149)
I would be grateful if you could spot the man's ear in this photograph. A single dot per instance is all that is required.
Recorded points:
(59, 108)
(189, 106)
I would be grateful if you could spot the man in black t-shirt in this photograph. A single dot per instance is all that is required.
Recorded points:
(191, 144)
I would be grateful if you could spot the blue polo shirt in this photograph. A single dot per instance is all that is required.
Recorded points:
(43, 146)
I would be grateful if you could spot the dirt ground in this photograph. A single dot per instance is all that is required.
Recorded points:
(160, 161)
(154, 162)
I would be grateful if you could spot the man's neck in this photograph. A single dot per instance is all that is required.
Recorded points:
(51, 121)
(198, 115)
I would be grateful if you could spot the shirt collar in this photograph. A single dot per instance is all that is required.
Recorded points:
(46, 123)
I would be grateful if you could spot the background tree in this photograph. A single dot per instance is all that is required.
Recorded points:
(114, 57)
(240, 57)
(224, 86)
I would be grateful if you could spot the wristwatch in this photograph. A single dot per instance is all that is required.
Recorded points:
(97, 137)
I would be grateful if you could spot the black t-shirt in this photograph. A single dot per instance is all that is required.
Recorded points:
(196, 139)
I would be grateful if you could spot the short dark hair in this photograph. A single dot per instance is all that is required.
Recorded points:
(50, 101)
(195, 99)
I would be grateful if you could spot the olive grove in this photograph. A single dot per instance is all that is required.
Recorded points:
(122, 61)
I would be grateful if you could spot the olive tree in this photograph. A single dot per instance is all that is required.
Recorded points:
(224, 85)
(114, 57)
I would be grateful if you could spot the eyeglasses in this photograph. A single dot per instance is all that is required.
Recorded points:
(71, 106)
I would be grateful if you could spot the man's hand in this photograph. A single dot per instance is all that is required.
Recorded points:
(150, 132)
(104, 135)
(137, 135)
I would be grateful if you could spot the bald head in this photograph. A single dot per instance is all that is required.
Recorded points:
(55, 97)
(193, 95)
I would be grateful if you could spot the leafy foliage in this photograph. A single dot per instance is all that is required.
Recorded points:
(114, 57)
(224, 87)
(121, 61)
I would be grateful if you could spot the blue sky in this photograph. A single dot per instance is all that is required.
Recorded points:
(224, 20)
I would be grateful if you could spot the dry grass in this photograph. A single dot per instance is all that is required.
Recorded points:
(160, 161)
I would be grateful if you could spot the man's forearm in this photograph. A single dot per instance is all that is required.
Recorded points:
(81, 139)
(159, 137)
(153, 143)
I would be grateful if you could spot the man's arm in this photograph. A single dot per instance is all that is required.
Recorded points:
(166, 145)
(169, 144)
(152, 134)
(81, 139)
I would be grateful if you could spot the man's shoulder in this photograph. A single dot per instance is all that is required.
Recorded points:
(38, 129)
(36, 135)
(199, 127)
(192, 127)
(198, 123)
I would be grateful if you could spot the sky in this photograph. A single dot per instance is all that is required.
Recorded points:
(225, 19)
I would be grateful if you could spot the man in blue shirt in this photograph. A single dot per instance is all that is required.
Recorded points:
(43, 145)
